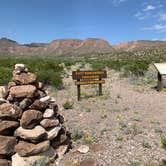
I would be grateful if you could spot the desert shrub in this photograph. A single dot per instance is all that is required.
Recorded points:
(68, 105)
(77, 134)
(136, 67)
(48, 70)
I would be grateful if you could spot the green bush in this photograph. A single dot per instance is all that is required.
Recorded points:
(48, 70)
(68, 105)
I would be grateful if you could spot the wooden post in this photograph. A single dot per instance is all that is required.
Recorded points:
(160, 83)
(100, 88)
(78, 92)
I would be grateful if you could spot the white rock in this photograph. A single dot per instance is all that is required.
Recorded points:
(45, 99)
(3, 100)
(30, 161)
(51, 134)
(48, 113)
(2, 91)
(83, 149)
(19, 66)
(52, 100)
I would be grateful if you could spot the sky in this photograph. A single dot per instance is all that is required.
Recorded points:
(27, 21)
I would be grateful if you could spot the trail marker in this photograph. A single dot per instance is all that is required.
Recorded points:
(88, 77)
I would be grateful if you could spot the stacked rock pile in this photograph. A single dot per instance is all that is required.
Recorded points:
(31, 129)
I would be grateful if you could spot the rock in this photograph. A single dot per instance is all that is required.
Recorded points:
(39, 85)
(54, 106)
(30, 161)
(60, 117)
(11, 84)
(88, 162)
(50, 153)
(4, 162)
(24, 78)
(8, 127)
(46, 123)
(9, 111)
(29, 149)
(25, 103)
(42, 159)
(45, 99)
(83, 149)
(20, 67)
(33, 135)
(30, 118)
(49, 113)
(52, 133)
(61, 150)
(2, 101)
(38, 105)
(41, 94)
(2, 91)
(62, 138)
(52, 100)
(7, 145)
(22, 91)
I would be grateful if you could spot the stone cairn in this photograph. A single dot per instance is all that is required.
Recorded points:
(32, 132)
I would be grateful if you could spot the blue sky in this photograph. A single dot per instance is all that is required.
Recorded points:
(29, 21)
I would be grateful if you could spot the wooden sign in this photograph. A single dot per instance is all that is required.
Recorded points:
(89, 77)
(90, 82)
(89, 74)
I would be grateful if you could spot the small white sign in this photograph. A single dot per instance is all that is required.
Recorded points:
(161, 67)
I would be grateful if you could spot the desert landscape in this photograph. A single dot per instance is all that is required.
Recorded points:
(124, 126)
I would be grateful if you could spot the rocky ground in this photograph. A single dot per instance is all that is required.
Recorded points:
(121, 128)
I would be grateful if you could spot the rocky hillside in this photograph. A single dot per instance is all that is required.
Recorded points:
(140, 45)
(56, 47)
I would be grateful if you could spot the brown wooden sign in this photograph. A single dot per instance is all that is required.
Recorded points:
(89, 74)
(89, 77)
(90, 82)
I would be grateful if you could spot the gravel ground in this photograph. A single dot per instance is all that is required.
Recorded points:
(122, 127)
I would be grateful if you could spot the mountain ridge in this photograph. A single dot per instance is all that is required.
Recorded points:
(76, 46)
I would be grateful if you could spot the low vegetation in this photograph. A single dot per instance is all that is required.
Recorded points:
(50, 69)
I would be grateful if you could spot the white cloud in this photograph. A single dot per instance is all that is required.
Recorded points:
(149, 7)
(157, 27)
(141, 16)
(117, 2)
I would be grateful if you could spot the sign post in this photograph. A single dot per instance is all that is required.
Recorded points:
(88, 77)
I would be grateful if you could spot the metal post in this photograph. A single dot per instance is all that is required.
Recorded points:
(160, 82)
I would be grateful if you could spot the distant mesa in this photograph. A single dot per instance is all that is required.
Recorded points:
(140, 45)
(5, 42)
(74, 47)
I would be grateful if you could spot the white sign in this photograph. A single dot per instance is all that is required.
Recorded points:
(161, 67)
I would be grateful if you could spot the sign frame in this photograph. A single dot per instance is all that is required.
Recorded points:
(88, 77)
(161, 69)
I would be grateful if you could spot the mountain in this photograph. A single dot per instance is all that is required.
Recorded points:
(56, 47)
(140, 45)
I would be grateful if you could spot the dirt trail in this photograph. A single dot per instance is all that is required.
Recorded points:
(126, 122)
